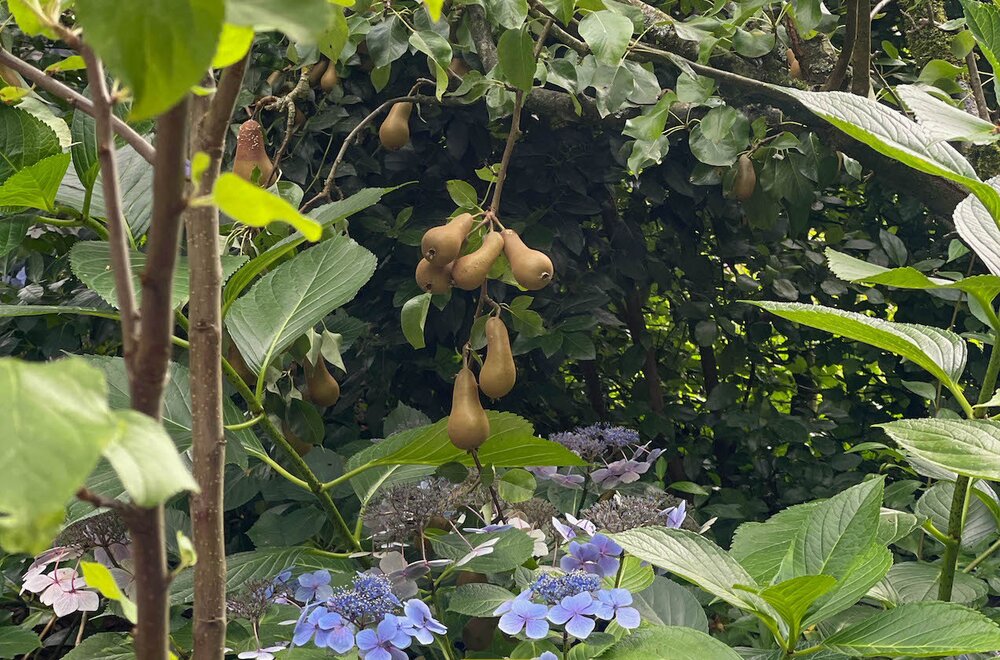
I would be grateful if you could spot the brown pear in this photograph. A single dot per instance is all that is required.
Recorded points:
(300, 446)
(746, 179)
(433, 279)
(9, 76)
(330, 78)
(250, 153)
(470, 271)
(321, 387)
(532, 269)
(239, 365)
(316, 73)
(394, 133)
(468, 426)
(498, 374)
(794, 68)
(443, 244)
(458, 66)
(274, 80)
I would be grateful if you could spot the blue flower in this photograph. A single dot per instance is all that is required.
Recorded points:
(599, 556)
(306, 626)
(385, 641)
(614, 604)
(314, 586)
(575, 611)
(548, 655)
(261, 654)
(676, 515)
(419, 623)
(553, 588)
(527, 616)
(369, 600)
(608, 552)
(335, 632)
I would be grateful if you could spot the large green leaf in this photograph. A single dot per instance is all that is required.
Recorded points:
(761, 547)
(135, 179)
(967, 447)
(91, 262)
(515, 51)
(935, 505)
(303, 20)
(84, 149)
(920, 630)
(607, 33)
(146, 461)
(940, 352)
(979, 229)
(683, 644)
(478, 599)
(942, 120)
(295, 296)
(867, 570)
(792, 598)
(666, 603)
(35, 185)
(103, 646)
(512, 548)
(24, 140)
(697, 560)
(160, 48)
(914, 582)
(244, 567)
(894, 525)
(982, 287)
(983, 20)
(57, 425)
(12, 231)
(16, 642)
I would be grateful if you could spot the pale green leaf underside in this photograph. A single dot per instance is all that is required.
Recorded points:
(967, 447)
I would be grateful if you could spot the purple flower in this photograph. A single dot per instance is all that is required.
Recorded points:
(63, 590)
(552, 473)
(575, 611)
(384, 642)
(53, 555)
(614, 604)
(548, 655)
(314, 586)
(261, 654)
(552, 588)
(599, 556)
(307, 626)
(527, 616)
(676, 515)
(334, 632)
(567, 532)
(507, 605)
(608, 551)
(487, 529)
(419, 623)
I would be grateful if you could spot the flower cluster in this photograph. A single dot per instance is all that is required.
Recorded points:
(368, 616)
(616, 449)
(624, 512)
(401, 512)
(63, 589)
(597, 440)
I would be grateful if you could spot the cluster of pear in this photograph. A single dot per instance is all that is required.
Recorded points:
(468, 425)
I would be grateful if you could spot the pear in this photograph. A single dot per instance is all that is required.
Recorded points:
(394, 133)
(300, 446)
(274, 80)
(458, 67)
(470, 271)
(746, 179)
(433, 279)
(316, 73)
(239, 365)
(442, 244)
(321, 387)
(330, 78)
(250, 153)
(468, 426)
(794, 68)
(498, 374)
(532, 269)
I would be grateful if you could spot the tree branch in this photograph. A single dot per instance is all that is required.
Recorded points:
(208, 448)
(836, 79)
(861, 82)
(78, 101)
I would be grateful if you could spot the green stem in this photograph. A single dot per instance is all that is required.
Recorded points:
(982, 557)
(956, 521)
(333, 483)
(442, 643)
(935, 532)
(245, 425)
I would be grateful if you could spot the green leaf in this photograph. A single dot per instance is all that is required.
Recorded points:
(103, 646)
(160, 48)
(25, 12)
(254, 206)
(696, 559)
(753, 43)
(16, 642)
(84, 149)
(978, 228)
(146, 461)
(35, 186)
(920, 630)
(12, 231)
(635, 575)
(943, 121)
(607, 33)
(869, 568)
(967, 447)
(234, 42)
(24, 140)
(982, 287)
(387, 41)
(935, 505)
(14, 311)
(463, 194)
(579, 346)
(791, 599)
(434, 8)
(894, 525)
(508, 13)
(684, 644)
(91, 262)
(940, 352)
(720, 137)
(761, 547)
(244, 567)
(412, 318)
(915, 582)
(97, 576)
(516, 485)
(433, 45)
(302, 20)
(983, 20)
(295, 296)
(478, 599)
(562, 9)
(56, 409)
(513, 548)
(517, 58)
(135, 178)
(666, 603)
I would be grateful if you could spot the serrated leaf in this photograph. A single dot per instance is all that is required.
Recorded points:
(84, 149)
(666, 603)
(24, 140)
(12, 231)
(478, 599)
(870, 567)
(761, 547)
(103, 646)
(791, 599)
(684, 644)
(17, 642)
(135, 178)
(940, 352)
(915, 582)
(35, 186)
(935, 505)
(607, 33)
(967, 447)
(412, 318)
(978, 228)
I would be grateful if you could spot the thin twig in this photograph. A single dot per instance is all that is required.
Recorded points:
(287, 103)
(99, 501)
(976, 82)
(78, 101)
(499, 514)
(839, 73)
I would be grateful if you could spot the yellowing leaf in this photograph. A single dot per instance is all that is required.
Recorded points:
(99, 577)
(35, 16)
(199, 163)
(71, 63)
(256, 207)
(10, 94)
(234, 42)
(434, 8)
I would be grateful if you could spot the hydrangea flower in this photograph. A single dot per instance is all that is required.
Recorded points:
(598, 556)
(614, 604)
(63, 590)
(552, 473)
(334, 632)
(626, 470)
(314, 586)
(567, 531)
(307, 626)
(384, 641)
(548, 655)
(369, 600)
(552, 588)
(527, 616)
(575, 612)
(592, 442)
(261, 654)
(676, 515)
(420, 623)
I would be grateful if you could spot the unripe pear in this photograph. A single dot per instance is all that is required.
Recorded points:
(316, 73)
(532, 269)
(330, 78)
(321, 387)
(394, 134)
(471, 270)
(433, 279)
(468, 425)
(746, 179)
(250, 153)
(443, 244)
(498, 374)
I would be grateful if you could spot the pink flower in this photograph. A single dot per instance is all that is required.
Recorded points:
(63, 590)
